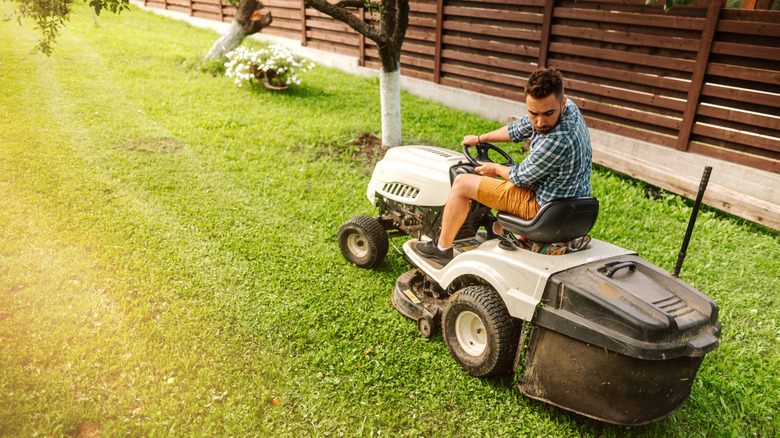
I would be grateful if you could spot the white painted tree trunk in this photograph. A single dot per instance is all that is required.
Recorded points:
(390, 99)
(229, 41)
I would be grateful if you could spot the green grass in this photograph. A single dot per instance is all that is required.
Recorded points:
(169, 266)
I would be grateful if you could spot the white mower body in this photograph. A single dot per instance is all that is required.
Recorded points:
(518, 276)
(414, 175)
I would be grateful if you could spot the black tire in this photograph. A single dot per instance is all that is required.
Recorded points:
(480, 334)
(363, 241)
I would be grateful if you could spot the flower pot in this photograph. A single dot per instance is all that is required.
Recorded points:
(269, 78)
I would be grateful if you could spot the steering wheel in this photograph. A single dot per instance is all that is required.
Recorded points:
(482, 154)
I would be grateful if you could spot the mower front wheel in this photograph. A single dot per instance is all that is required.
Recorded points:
(480, 334)
(363, 241)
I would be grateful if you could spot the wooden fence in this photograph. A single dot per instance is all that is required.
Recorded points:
(701, 78)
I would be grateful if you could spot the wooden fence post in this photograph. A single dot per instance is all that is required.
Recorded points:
(437, 41)
(303, 23)
(362, 41)
(544, 42)
(697, 78)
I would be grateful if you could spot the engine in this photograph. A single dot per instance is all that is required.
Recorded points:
(410, 187)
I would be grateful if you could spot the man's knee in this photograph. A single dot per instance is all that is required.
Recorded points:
(466, 185)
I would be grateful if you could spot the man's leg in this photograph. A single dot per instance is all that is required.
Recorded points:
(464, 189)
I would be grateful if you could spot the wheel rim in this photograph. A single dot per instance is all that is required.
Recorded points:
(470, 332)
(357, 245)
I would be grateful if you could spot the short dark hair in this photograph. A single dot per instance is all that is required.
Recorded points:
(544, 82)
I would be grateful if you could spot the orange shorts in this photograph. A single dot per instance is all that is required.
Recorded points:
(503, 195)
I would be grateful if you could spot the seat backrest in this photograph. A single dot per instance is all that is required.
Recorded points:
(560, 220)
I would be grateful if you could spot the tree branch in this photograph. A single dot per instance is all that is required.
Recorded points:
(401, 24)
(258, 25)
(347, 17)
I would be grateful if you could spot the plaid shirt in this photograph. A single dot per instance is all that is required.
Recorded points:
(559, 164)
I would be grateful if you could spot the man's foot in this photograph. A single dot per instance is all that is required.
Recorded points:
(431, 251)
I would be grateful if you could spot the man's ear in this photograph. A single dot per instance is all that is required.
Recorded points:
(563, 103)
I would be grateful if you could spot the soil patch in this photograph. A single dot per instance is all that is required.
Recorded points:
(365, 146)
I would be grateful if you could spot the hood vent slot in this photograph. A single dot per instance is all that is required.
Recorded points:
(401, 190)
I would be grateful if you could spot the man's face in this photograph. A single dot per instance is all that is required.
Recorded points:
(544, 113)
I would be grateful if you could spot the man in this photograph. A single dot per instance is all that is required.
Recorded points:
(559, 165)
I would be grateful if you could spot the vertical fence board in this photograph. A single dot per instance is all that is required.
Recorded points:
(697, 79)
(544, 43)
(437, 46)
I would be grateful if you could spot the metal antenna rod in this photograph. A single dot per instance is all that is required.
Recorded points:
(705, 177)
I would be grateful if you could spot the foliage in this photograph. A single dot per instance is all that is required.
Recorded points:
(169, 265)
(244, 64)
(50, 15)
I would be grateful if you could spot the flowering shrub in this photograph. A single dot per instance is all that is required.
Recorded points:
(271, 63)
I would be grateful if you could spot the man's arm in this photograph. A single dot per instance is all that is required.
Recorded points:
(500, 135)
(493, 170)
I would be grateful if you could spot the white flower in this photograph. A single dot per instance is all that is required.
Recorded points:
(276, 58)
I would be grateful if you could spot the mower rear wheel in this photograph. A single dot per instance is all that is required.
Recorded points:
(480, 334)
(363, 241)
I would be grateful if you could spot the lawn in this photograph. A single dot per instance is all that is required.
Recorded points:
(169, 265)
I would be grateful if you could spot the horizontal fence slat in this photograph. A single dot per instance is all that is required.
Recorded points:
(625, 37)
(491, 46)
(636, 19)
(628, 76)
(483, 75)
(487, 60)
(488, 14)
(749, 28)
(628, 131)
(630, 114)
(747, 50)
(746, 73)
(684, 65)
(628, 96)
(735, 116)
(332, 37)
(737, 95)
(752, 143)
(536, 3)
(494, 30)
(762, 163)
(421, 7)
(481, 89)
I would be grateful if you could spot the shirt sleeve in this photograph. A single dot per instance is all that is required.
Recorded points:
(520, 129)
(544, 159)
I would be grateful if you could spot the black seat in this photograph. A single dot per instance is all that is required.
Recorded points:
(560, 220)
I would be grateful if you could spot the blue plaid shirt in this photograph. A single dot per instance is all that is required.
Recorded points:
(560, 161)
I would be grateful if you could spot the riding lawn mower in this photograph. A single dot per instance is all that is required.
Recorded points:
(584, 325)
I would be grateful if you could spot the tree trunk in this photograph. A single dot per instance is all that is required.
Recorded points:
(227, 42)
(390, 98)
(248, 21)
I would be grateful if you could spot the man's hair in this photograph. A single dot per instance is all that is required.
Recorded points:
(544, 82)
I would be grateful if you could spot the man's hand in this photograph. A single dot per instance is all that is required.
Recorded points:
(492, 170)
(470, 140)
